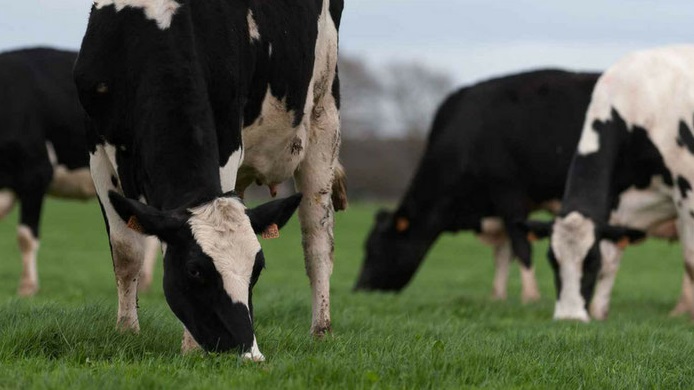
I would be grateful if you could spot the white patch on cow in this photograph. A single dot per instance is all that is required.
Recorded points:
(152, 249)
(223, 231)
(160, 11)
(227, 173)
(254, 355)
(492, 232)
(7, 199)
(72, 184)
(29, 246)
(646, 209)
(52, 156)
(572, 238)
(590, 140)
(272, 147)
(253, 31)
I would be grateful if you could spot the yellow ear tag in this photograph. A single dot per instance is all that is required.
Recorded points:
(623, 243)
(134, 224)
(271, 232)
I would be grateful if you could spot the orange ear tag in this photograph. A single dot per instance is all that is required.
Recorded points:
(134, 224)
(402, 224)
(623, 243)
(532, 237)
(271, 232)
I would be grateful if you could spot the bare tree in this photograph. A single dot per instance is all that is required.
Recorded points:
(415, 91)
(363, 100)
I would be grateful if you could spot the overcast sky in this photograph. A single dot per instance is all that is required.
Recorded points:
(470, 39)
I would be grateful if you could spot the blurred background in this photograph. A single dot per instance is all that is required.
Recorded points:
(400, 58)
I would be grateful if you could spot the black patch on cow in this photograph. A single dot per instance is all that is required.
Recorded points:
(684, 186)
(685, 139)
(296, 146)
(114, 181)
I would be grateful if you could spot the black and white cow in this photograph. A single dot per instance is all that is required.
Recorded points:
(497, 151)
(42, 145)
(633, 168)
(182, 94)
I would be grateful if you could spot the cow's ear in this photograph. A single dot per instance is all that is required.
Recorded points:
(272, 213)
(536, 230)
(146, 219)
(621, 236)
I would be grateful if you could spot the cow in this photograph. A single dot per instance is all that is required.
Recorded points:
(497, 151)
(42, 146)
(630, 176)
(181, 98)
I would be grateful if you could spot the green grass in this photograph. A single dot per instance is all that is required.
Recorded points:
(442, 332)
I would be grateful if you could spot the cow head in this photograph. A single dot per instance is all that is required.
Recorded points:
(575, 257)
(394, 249)
(211, 262)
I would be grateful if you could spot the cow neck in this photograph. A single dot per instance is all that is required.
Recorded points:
(590, 188)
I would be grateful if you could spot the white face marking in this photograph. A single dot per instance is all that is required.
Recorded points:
(29, 246)
(228, 172)
(611, 255)
(223, 231)
(160, 11)
(253, 31)
(572, 238)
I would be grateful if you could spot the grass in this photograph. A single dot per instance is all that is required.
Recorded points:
(442, 332)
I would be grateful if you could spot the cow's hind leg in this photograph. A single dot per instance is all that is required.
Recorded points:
(31, 203)
(502, 262)
(685, 304)
(314, 179)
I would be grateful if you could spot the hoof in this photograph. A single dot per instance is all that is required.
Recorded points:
(27, 289)
(580, 316)
(599, 314)
(498, 297)
(251, 357)
(127, 325)
(531, 298)
(320, 332)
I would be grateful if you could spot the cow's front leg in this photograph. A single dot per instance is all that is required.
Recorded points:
(686, 302)
(127, 245)
(147, 273)
(611, 256)
(314, 179)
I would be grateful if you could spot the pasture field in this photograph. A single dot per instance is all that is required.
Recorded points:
(441, 332)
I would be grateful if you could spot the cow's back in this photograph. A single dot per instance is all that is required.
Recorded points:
(519, 130)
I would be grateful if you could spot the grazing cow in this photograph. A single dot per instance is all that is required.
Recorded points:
(42, 145)
(497, 151)
(179, 94)
(633, 168)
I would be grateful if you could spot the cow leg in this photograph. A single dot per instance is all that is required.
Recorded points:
(127, 246)
(686, 301)
(31, 203)
(502, 263)
(189, 345)
(146, 274)
(611, 257)
(509, 202)
(314, 178)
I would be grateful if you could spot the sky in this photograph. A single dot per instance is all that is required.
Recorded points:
(469, 39)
